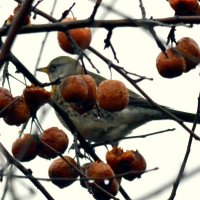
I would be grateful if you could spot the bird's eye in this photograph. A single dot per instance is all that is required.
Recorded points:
(52, 68)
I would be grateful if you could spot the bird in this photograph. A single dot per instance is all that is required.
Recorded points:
(98, 125)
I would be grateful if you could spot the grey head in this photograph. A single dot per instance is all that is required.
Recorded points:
(63, 66)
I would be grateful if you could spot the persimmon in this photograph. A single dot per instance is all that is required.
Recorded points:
(189, 49)
(25, 148)
(62, 172)
(53, 138)
(112, 95)
(170, 63)
(82, 37)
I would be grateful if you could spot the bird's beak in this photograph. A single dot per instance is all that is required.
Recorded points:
(43, 69)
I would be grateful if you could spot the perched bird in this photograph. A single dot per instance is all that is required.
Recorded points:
(107, 126)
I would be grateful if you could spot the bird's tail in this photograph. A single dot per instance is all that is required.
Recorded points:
(185, 116)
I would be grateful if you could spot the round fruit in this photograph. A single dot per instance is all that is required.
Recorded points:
(189, 49)
(184, 7)
(82, 37)
(103, 175)
(56, 139)
(92, 87)
(5, 97)
(15, 11)
(18, 112)
(89, 101)
(25, 148)
(170, 64)
(36, 97)
(74, 89)
(62, 173)
(133, 163)
(113, 158)
(112, 95)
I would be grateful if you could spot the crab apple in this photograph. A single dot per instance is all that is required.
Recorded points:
(184, 7)
(133, 163)
(74, 89)
(113, 158)
(53, 138)
(189, 49)
(102, 174)
(18, 112)
(88, 103)
(62, 172)
(5, 97)
(82, 37)
(25, 148)
(36, 97)
(112, 95)
(92, 87)
(10, 19)
(170, 64)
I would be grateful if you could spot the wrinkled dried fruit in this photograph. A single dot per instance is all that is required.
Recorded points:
(170, 64)
(189, 49)
(36, 97)
(56, 139)
(25, 148)
(103, 175)
(18, 112)
(82, 37)
(62, 173)
(5, 97)
(112, 95)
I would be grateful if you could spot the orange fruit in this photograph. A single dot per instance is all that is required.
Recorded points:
(92, 87)
(86, 104)
(170, 64)
(82, 37)
(112, 95)
(102, 174)
(74, 89)
(184, 7)
(133, 163)
(10, 19)
(62, 173)
(113, 158)
(189, 49)
(36, 97)
(5, 97)
(25, 148)
(56, 139)
(18, 112)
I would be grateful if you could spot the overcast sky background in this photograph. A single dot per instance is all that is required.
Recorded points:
(137, 52)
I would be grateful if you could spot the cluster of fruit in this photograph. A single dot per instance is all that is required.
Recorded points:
(64, 171)
(129, 165)
(185, 7)
(17, 110)
(82, 92)
(48, 145)
(181, 58)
